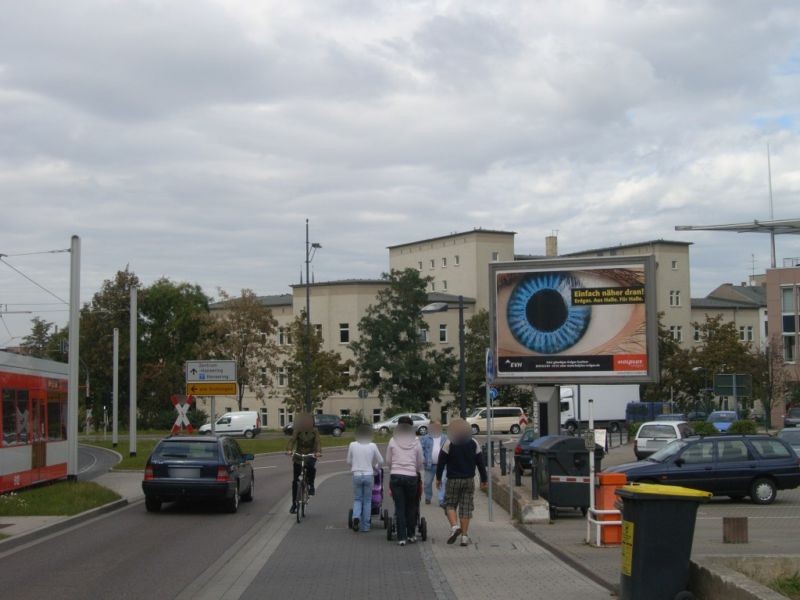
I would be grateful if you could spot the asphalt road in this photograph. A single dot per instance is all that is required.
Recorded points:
(94, 461)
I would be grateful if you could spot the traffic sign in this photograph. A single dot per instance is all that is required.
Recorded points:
(490, 368)
(733, 384)
(210, 370)
(212, 389)
(363, 393)
(493, 393)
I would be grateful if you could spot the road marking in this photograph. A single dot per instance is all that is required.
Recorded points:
(233, 572)
(257, 468)
(92, 464)
(325, 462)
(746, 516)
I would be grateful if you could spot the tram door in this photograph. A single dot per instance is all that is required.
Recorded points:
(38, 437)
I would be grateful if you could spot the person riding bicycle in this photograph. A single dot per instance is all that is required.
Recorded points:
(305, 440)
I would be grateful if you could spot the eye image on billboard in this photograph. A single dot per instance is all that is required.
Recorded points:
(573, 319)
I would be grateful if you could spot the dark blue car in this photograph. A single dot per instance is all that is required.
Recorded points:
(522, 451)
(729, 465)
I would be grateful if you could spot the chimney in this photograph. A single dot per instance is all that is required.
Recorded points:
(551, 245)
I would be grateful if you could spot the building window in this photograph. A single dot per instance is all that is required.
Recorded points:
(423, 334)
(445, 414)
(344, 412)
(433, 263)
(749, 333)
(263, 375)
(674, 297)
(284, 336)
(696, 333)
(495, 256)
(419, 265)
(789, 348)
(443, 333)
(444, 285)
(318, 330)
(433, 286)
(264, 417)
(676, 332)
(789, 324)
(674, 265)
(787, 300)
(344, 333)
(283, 377)
(444, 262)
(318, 411)
(376, 415)
(282, 416)
(746, 333)
(457, 260)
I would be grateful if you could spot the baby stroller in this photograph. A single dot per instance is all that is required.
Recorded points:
(421, 522)
(376, 502)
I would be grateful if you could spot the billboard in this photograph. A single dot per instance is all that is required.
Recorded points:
(575, 320)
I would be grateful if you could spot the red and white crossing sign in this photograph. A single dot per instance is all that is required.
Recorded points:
(182, 405)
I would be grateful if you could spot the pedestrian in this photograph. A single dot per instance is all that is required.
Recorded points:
(404, 458)
(305, 440)
(461, 456)
(364, 459)
(431, 446)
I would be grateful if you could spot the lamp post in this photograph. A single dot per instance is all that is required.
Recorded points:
(311, 249)
(437, 307)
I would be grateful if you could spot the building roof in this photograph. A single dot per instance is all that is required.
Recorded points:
(622, 246)
(454, 234)
(752, 294)
(273, 300)
(531, 256)
(780, 226)
(341, 282)
(449, 298)
(719, 303)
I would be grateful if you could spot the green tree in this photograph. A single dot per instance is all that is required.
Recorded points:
(676, 375)
(38, 342)
(770, 380)
(476, 341)
(244, 331)
(328, 372)
(391, 354)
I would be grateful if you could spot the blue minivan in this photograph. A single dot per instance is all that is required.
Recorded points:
(725, 465)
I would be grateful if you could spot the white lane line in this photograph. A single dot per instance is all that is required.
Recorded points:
(90, 465)
(325, 462)
(257, 468)
(746, 516)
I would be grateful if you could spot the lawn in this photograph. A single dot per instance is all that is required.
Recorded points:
(62, 498)
(789, 586)
(258, 445)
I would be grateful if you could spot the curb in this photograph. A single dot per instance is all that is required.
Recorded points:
(45, 530)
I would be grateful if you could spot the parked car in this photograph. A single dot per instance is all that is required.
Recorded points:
(522, 451)
(242, 423)
(722, 419)
(697, 415)
(421, 424)
(325, 424)
(505, 419)
(791, 435)
(792, 418)
(198, 468)
(725, 465)
(653, 436)
(672, 417)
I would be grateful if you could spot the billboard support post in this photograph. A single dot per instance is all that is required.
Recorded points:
(591, 446)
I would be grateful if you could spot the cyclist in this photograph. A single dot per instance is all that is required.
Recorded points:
(305, 440)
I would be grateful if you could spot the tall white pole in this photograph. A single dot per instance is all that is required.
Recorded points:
(591, 446)
(115, 392)
(74, 357)
(489, 453)
(773, 260)
(134, 370)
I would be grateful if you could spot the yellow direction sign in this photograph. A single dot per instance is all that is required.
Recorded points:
(211, 389)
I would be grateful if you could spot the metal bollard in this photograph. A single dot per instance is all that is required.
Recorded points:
(503, 463)
(534, 484)
(517, 475)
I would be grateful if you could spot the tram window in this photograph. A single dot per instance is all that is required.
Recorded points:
(54, 424)
(9, 418)
(23, 418)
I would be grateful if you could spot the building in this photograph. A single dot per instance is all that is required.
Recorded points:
(743, 305)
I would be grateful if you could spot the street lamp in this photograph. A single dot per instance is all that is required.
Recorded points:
(437, 307)
(311, 250)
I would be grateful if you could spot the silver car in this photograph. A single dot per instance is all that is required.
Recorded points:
(421, 423)
(791, 435)
(654, 435)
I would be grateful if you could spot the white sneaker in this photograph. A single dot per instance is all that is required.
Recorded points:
(401, 543)
(455, 531)
(465, 541)
(412, 539)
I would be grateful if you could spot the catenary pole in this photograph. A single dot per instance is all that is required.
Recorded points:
(134, 370)
(74, 357)
(115, 391)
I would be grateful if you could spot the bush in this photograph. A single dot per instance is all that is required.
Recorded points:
(633, 429)
(744, 426)
(703, 428)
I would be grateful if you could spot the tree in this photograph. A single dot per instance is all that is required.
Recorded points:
(476, 341)
(769, 378)
(328, 372)
(392, 355)
(676, 375)
(38, 342)
(244, 332)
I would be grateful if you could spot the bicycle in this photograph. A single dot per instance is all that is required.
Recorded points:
(302, 486)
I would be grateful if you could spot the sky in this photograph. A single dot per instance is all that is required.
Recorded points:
(192, 138)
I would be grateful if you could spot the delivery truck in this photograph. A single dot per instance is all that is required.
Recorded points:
(609, 405)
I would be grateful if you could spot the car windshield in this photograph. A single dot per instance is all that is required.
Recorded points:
(476, 412)
(188, 450)
(721, 417)
(667, 451)
(793, 437)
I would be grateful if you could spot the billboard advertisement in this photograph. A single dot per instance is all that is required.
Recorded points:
(575, 320)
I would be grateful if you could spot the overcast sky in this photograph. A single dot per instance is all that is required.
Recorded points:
(192, 138)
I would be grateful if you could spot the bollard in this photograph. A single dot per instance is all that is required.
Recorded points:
(534, 484)
(503, 462)
(517, 475)
(734, 530)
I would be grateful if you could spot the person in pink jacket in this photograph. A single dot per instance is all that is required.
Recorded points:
(404, 459)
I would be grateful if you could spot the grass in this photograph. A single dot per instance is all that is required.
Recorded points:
(62, 498)
(258, 445)
(788, 585)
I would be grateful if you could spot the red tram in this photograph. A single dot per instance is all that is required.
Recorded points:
(33, 413)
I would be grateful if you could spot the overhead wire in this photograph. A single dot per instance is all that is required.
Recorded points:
(40, 252)
(37, 284)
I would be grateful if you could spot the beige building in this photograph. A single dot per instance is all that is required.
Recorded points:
(743, 305)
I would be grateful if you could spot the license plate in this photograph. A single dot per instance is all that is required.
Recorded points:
(183, 473)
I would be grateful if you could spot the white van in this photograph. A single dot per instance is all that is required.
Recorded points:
(244, 423)
(505, 419)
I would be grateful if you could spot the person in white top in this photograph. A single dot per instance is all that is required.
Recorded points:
(431, 446)
(364, 459)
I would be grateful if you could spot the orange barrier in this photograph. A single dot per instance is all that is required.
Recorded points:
(605, 499)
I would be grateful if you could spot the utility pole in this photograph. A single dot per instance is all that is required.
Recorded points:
(134, 338)
(115, 391)
(462, 366)
(308, 323)
(74, 357)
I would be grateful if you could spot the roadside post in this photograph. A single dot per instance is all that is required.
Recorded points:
(134, 338)
(489, 380)
(590, 446)
(115, 391)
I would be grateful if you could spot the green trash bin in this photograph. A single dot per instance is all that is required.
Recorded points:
(657, 532)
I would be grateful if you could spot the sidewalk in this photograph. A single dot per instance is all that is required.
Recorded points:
(502, 562)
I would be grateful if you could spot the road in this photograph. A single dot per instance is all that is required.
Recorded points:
(94, 461)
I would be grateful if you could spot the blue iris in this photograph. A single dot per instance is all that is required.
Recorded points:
(541, 315)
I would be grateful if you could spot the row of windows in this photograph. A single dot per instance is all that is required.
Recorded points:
(443, 262)
(285, 334)
(21, 426)
(790, 295)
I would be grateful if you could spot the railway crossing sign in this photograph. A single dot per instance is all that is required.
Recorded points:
(182, 405)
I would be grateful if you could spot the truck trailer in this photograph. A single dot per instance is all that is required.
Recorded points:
(609, 405)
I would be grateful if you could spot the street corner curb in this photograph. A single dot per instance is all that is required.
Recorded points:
(713, 577)
(52, 528)
(526, 511)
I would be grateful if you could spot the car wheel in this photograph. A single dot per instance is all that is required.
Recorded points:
(248, 496)
(249, 434)
(422, 430)
(571, 427)
(763, 491)
(152, 504)
(232, 503)
(613, 427)
(475, 430)
(514, 429)
(384, 431)
(336, 432)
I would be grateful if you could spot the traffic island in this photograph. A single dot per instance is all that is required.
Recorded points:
(525, 510)
(741, 577)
